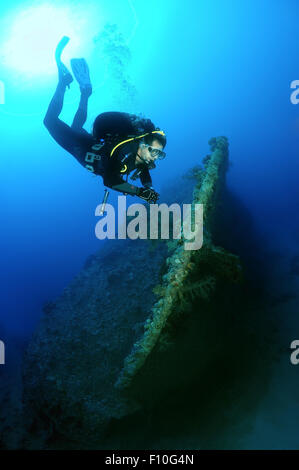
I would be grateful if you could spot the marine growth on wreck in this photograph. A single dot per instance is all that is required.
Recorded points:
(111, 347)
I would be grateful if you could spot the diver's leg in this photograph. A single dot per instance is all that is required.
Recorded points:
(81, 72)
(81, 114)
(57, 128)
(76, 143)
(56, 104)
(64, 79)
(71, 140)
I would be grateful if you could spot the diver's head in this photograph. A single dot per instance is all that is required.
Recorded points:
(151, 148)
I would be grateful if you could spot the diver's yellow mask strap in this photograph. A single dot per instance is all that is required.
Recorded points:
(135, 138)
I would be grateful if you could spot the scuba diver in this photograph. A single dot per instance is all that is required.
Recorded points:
(120, 142)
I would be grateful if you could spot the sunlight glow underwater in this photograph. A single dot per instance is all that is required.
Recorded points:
(34, 32)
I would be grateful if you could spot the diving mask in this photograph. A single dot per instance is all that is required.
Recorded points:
(155, 152)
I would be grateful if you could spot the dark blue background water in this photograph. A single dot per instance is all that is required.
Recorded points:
(197, 69)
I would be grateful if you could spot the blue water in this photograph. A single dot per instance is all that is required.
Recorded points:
(198, 69)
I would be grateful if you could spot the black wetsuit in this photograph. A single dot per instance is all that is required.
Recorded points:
(95, 155)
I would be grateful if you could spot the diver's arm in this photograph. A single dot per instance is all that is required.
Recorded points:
(113, 178)
(126, 188)
(147, 194)
(118, 184)
(145, 178)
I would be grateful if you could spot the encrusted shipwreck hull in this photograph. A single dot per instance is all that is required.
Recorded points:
(138, 322)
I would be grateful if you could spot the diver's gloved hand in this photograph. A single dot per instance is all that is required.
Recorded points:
(148, 195)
